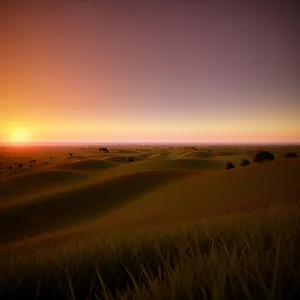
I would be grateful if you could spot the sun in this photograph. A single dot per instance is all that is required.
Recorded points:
(20, 135)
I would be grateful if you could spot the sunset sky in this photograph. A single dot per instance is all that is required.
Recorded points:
(149, 71)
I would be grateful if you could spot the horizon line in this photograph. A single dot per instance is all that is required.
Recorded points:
(143, 142)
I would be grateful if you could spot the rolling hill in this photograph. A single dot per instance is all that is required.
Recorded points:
(149, 196)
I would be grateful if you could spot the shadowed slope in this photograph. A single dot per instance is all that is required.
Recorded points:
(43, 181)
(64, 209)
(38, 181)
(196, 196)
(17, 172)
(220, 192)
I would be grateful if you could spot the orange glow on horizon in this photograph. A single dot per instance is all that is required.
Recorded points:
(88, 73)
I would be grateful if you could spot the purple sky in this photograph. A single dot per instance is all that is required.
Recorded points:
(223, 70)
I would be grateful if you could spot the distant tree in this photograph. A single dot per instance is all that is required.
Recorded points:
(130, 159)
(262, 156)
(290, 155)
(229, 165)
(20, 166)
(245, 162)
(103, 150)
(71, 154)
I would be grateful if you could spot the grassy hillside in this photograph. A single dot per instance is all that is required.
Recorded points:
(78, 204)
(173, 224)
(86, 165)
(249, 255)
(151, 196)
(37, 182)
(183, 164)
(213, 193)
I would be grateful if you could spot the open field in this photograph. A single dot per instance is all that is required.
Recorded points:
(170, 224)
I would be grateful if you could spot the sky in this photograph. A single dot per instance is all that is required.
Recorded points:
(149, 71)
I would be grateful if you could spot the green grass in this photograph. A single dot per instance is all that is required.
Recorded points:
(247, 255)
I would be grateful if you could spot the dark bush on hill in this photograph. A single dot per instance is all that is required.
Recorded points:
(20, 166)
(229, 165)
(263, 156)
(245, 162)
(129, 159)
(103, 150)
(290, 155)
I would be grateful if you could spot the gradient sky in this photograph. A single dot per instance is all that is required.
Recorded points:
(159, 70)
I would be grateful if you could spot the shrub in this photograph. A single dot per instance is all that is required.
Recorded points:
(290, 155)
(129, 159)
(103, 150)
(229, 165)
(10, 168)
(70, 154)
(245, 162)
(263, 156)
(20, 166)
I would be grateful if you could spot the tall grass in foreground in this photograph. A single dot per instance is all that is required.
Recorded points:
(247, 255)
